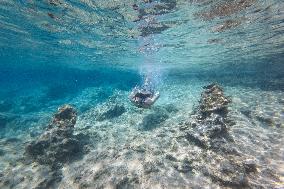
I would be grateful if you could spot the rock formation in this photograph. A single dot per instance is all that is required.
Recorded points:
(209, 124)
(208, 128)
(43, 158)
(57, 144)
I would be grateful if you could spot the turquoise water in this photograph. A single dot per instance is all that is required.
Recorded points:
(91, 54)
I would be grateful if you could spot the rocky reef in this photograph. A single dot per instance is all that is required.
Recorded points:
(57, 144)
(47, 153)
(208, 129)
(175, 153)
(116, 145)
(209, 123)
(213, 101)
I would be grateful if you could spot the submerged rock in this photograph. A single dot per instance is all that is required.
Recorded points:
(209, 123)
(250, 165)
(65, 117)
(57, 144)
(109, 111)
(43, 158)
(213, 101)
(208, 128)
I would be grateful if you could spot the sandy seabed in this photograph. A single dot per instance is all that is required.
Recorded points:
(162, 147)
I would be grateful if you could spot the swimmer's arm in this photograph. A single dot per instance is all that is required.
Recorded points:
(156, 96)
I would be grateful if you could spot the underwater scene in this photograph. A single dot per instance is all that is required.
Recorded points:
(150, 94)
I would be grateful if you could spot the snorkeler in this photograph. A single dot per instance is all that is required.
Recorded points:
(144, 97)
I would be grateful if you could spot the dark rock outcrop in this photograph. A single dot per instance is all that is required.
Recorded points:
(209, 124)
(43, 158)
(213, 101)
(250, 166)
(65, 117)
(208, 128)
(57, 144)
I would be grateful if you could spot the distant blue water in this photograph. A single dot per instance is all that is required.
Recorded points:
(59, 84)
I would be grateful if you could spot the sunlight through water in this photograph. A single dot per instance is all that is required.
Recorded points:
(213, 116)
